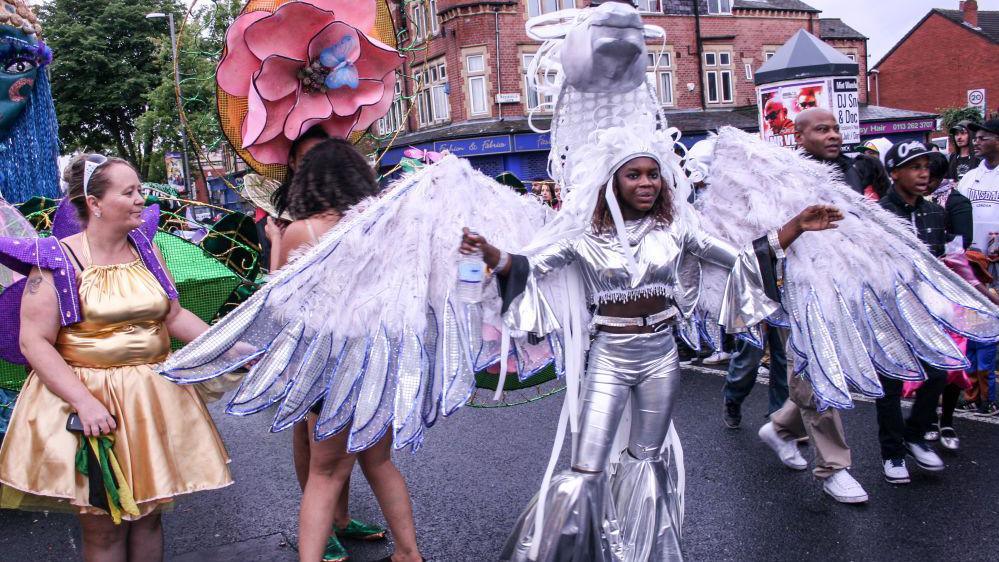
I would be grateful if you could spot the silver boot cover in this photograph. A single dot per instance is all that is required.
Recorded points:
(578, 526)
(648, 508)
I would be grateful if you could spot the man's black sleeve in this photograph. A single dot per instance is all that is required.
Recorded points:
(768, 267)
(515, 282)
(960, 221)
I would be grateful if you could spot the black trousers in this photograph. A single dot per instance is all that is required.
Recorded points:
(893, 430)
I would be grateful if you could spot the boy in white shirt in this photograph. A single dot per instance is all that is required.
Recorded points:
(981, 186)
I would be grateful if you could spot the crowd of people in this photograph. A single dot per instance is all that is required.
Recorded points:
(953, 204)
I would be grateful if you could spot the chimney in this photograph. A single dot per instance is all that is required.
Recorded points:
(970, 10)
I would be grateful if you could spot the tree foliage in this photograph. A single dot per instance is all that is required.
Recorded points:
(105, 65)
(113, 80)
(200, 41)
(954, 115)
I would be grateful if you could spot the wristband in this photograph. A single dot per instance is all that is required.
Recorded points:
(774, 239)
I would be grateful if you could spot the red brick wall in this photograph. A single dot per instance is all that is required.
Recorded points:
(936, 66)
(466, 25)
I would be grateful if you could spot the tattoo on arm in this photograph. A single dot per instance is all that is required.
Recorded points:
(34, 283)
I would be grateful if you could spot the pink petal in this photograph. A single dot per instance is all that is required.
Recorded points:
(278, 77)
(346, 101)
(331, 35)
(376, 58)
(310, 109)
(265, 119)
(238, 64)
(358, 13)
(376, 111)
(338, 126)
(273, 152)
(287, 31)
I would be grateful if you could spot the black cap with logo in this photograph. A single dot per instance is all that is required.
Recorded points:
(904, 152)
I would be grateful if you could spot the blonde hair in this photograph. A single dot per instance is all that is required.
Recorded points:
(97, 186)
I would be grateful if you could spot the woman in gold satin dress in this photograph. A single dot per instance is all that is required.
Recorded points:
(103, 369)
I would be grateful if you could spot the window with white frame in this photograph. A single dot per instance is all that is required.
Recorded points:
(475, 79)
(394, 120)
(661, 76)
(652, 6)
(719, 78)
(435, 24)
(432, 104)
(534, 98)
(418, 16)
(749, 71)
(719, 6)
(424, 17)
(538, 7)
(767, 55)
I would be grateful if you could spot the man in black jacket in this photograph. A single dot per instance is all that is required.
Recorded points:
(817, 132)
(909, 166)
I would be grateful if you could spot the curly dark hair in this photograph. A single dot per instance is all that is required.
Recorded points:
(661, 211)
(333, 176)
(280, 196)
(872, 173)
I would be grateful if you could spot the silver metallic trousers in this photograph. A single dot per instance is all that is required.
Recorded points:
(633, 513)
(644, 367)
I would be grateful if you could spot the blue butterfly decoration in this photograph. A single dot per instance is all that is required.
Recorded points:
(342, 72)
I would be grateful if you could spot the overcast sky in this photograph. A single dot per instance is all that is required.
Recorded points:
(886, 21)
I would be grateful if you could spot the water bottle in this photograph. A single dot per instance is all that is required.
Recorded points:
(471, 273)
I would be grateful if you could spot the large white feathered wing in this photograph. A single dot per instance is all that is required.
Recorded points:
(862, 299)
(365, 323)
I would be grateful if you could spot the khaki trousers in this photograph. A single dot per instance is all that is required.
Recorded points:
(799, 418)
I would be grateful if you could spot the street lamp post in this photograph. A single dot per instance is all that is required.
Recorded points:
(176, 78)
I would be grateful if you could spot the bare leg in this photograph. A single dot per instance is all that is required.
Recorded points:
(300, 438)
(341, 517)
(393, 496)
(300, 451)
(329, 468)
(145, 539)
(103, 541)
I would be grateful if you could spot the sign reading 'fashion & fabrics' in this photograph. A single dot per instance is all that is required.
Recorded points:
(498, 144)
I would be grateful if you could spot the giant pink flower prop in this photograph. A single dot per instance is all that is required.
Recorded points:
(305, 64)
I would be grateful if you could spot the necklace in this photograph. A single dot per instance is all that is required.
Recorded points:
(637, 230)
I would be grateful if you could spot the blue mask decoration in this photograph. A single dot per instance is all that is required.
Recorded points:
(21, 58)
(29, 133)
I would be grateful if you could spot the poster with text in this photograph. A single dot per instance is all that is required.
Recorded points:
(780, 104)
(846, 108)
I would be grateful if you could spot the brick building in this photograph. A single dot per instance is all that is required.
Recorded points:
(959, 48)
(474, 103)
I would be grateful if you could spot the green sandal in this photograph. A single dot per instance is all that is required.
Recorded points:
(335, 552)
(360, 531)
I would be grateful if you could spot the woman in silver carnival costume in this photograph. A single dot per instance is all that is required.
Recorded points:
(369, 322)
(633, 353)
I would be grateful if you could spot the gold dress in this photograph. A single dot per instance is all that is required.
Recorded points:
(166, 442)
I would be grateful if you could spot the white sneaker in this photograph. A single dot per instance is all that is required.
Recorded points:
(717, 358)
(787, 451)
(949, 439)
(763, 371)
(844, 488)
(895, 471)
(926, 457)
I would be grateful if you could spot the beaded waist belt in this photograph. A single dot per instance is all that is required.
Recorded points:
(650, 320)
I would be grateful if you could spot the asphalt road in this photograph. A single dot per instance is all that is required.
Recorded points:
(478, 469)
